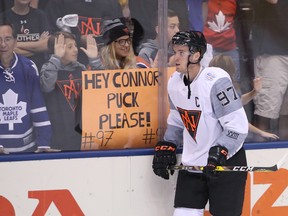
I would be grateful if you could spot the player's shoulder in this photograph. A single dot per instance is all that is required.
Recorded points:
(212, 74)
(175, 77)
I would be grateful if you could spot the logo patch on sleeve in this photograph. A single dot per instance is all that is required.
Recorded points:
(190, 119)
(210, 76)
(233, 135)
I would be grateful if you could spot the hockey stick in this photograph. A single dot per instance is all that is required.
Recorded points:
(235, 168)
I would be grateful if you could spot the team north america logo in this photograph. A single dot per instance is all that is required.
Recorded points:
(190, 119)
(89, 25)
(71, 89)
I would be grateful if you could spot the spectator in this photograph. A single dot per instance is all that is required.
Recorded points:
(40, 4)
(149, 49)
(90, 13)
(125, 7)
(117, 52)
(32, 30)
(181, 9)
(61, 83)
(5, 5)
(197, 10)
(136, 30)
(220, 32)
(25, 125)
(270, 47)
(226, 63)
(146, 11)
(213, 124)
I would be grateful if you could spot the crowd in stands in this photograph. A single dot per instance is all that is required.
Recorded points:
(64, 37)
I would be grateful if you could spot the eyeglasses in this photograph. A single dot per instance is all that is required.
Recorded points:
(122, 42)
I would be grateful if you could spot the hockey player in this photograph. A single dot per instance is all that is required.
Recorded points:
(207, 112)
(24, 122)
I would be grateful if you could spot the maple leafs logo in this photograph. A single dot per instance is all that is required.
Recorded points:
(190, 119)
(220, 24)
(11, 112)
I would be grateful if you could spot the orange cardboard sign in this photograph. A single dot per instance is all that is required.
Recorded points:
(120, 108)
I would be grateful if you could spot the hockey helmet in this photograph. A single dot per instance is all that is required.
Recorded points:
(195, 40)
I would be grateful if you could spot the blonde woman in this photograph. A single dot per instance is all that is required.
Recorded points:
(117, 51)
(226, 63)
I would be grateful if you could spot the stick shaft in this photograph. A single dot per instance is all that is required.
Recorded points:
(228, 168)
(235, 168)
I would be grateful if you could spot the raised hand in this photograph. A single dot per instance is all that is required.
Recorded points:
(91, 48)
(60, 46)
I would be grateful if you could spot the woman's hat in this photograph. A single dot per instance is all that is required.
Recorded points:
(114, 29)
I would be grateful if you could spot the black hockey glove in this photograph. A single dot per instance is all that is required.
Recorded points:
(165, 155)
(217, 156)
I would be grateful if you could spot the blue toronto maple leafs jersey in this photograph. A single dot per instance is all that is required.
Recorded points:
(24, 121)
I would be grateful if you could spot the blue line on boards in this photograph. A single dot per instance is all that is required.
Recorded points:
(117, 153)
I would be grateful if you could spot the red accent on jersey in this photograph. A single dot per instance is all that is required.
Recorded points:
(190, 120)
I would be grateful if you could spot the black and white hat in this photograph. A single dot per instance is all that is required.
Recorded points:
(114, 29)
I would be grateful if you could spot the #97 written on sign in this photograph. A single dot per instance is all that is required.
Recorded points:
(120, 109)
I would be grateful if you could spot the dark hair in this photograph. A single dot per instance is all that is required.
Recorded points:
(51, 40)
(4, 22)
(195, 40)
(170, 13)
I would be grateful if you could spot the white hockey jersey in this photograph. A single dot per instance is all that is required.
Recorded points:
(213, 115)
